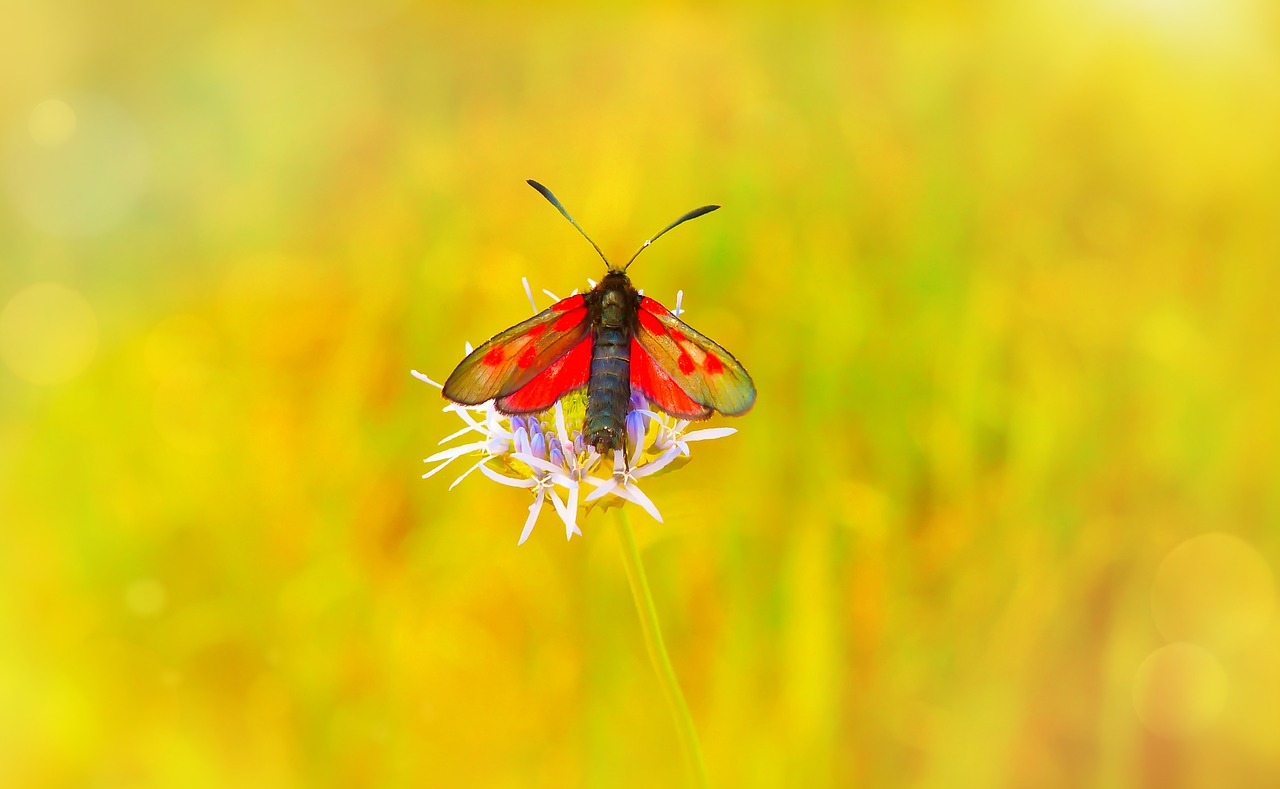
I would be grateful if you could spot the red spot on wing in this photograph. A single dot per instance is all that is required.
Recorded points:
(678, 336)
(571, 303)
(565, 374)
(570, 319)
(493, 358)
(685, 362)
(528, 356)
(536, 330)
(661, 390)
(712, 365)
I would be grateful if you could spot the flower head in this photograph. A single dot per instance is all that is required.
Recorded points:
(545, 453)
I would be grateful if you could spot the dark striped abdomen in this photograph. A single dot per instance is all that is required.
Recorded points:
(608, 389)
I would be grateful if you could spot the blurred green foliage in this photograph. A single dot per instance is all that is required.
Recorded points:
(1003, 275)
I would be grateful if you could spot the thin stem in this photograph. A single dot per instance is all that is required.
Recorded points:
(658, 651)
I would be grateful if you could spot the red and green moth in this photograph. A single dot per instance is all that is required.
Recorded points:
(613, 341)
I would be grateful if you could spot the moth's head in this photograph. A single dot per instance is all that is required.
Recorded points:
(615, 284)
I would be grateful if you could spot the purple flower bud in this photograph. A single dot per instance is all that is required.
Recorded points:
(538, 446)
(517, 422)
(638, 401)
(556, 457)
(579, 445)
(635, 429)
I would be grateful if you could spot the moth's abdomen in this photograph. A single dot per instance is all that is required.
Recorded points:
(608, 389)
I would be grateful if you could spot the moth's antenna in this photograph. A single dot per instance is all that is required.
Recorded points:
(694, 214)
(545, 192)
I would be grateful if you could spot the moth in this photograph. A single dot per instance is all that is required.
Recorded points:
(613, 341)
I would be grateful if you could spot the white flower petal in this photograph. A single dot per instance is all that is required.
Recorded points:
(437, 469)
(706, 434)
(462, 410)
(467, 473)
(603, 487)
(497, 445)
(494, 423)
(636, 455)
(657, 464)
(568, 514)
(534, 509)
(460, 433)
(554, 298)
(529, 293)
(566, 446)
(636, 495)
(458, 451)
(552, 471)
(422, 377)
(572, 507)
(508, 481)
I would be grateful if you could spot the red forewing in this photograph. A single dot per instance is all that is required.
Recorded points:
(704, 372)
(519, 357)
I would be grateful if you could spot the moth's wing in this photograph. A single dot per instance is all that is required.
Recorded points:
(706, 373)
(565, 374)
(511, 360)
(659, 389)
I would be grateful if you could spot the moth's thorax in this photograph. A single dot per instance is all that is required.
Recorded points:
(616, 300)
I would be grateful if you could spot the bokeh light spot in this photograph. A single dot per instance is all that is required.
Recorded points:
(352, 14)
(75, 167)
(146, 597)
(1202, 26)
(48, 333)
(1179, 690)
(1214, 590)
(52, 123)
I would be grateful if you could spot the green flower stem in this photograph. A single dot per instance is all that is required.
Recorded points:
(658, 651)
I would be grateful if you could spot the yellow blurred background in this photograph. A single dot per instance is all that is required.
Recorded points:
(1005, 513)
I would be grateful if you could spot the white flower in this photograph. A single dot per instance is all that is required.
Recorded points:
(539, 452)
(623, 482)
(672, 435)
